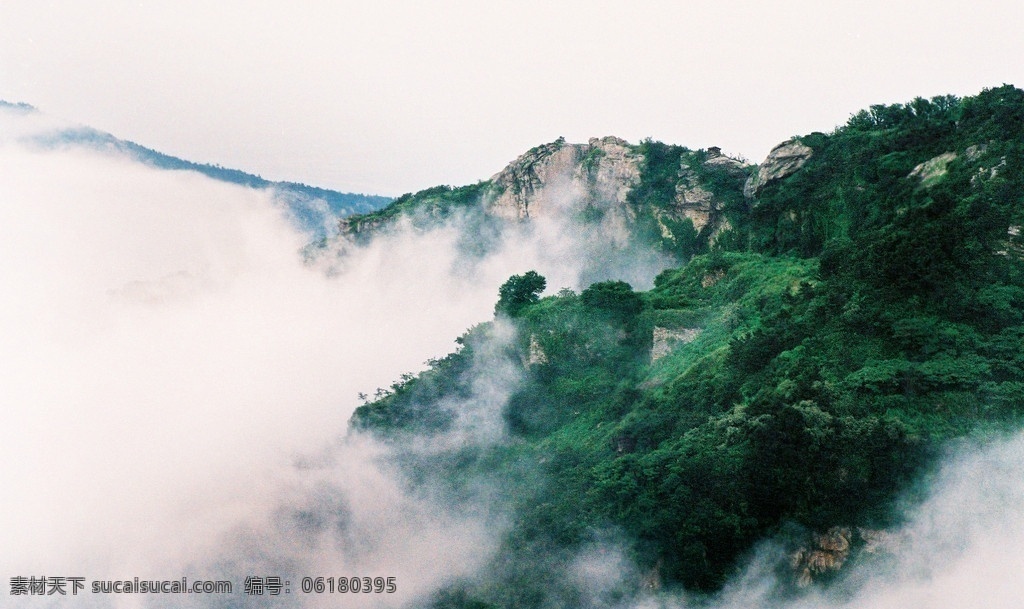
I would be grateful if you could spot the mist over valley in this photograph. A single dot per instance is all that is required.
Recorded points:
(613, 374)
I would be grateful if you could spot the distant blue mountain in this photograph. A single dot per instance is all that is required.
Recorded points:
(17, 107)
(312, 209)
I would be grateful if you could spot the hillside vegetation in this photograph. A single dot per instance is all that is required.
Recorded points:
(817, 345)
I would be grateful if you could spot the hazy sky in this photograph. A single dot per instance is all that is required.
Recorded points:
(392, 96)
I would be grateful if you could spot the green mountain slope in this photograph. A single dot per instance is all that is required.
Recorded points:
(861, 304)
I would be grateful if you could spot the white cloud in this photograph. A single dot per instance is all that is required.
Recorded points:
(177, 382)
(166, 353)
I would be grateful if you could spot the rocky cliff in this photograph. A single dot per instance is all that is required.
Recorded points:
(559, 177)
(567, 180)
(620, 189)
(824, 554)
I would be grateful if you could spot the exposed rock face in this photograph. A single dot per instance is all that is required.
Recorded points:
(710, 279)
(932, 170)
(559, 177)
(666, 339)
(715, 158)
(784, 160)
(828, 552)
(692, 200)
(354, 224)
(973, 153)
(696, 202)
(536, 356)
(613, 166)
(592, 183)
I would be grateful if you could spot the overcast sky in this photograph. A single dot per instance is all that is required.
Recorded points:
(393, 96)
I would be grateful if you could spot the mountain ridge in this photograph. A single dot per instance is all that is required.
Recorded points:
(312, 208)
(650, 194)
(793, 378)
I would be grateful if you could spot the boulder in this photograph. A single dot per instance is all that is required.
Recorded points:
(784, 160)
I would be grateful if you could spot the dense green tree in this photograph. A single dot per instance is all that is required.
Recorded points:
(518, 292)
(615, 297)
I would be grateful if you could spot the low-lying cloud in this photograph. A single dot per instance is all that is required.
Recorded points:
(167, 354)
(177, 380)
(962, 546)
(176, 383)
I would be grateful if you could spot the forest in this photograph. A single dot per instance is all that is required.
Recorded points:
(798, 370)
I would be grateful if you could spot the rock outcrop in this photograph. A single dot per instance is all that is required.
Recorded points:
(784, 160)
(692, 200)
(559, 178)
(536, 355)
(361, 224)
(666, 339)
(592, 182)
(826, 553)
(695, 201)
(932, 170)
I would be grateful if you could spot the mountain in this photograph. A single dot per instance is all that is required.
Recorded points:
(678, 200)
(315, 210)
(832, 318)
